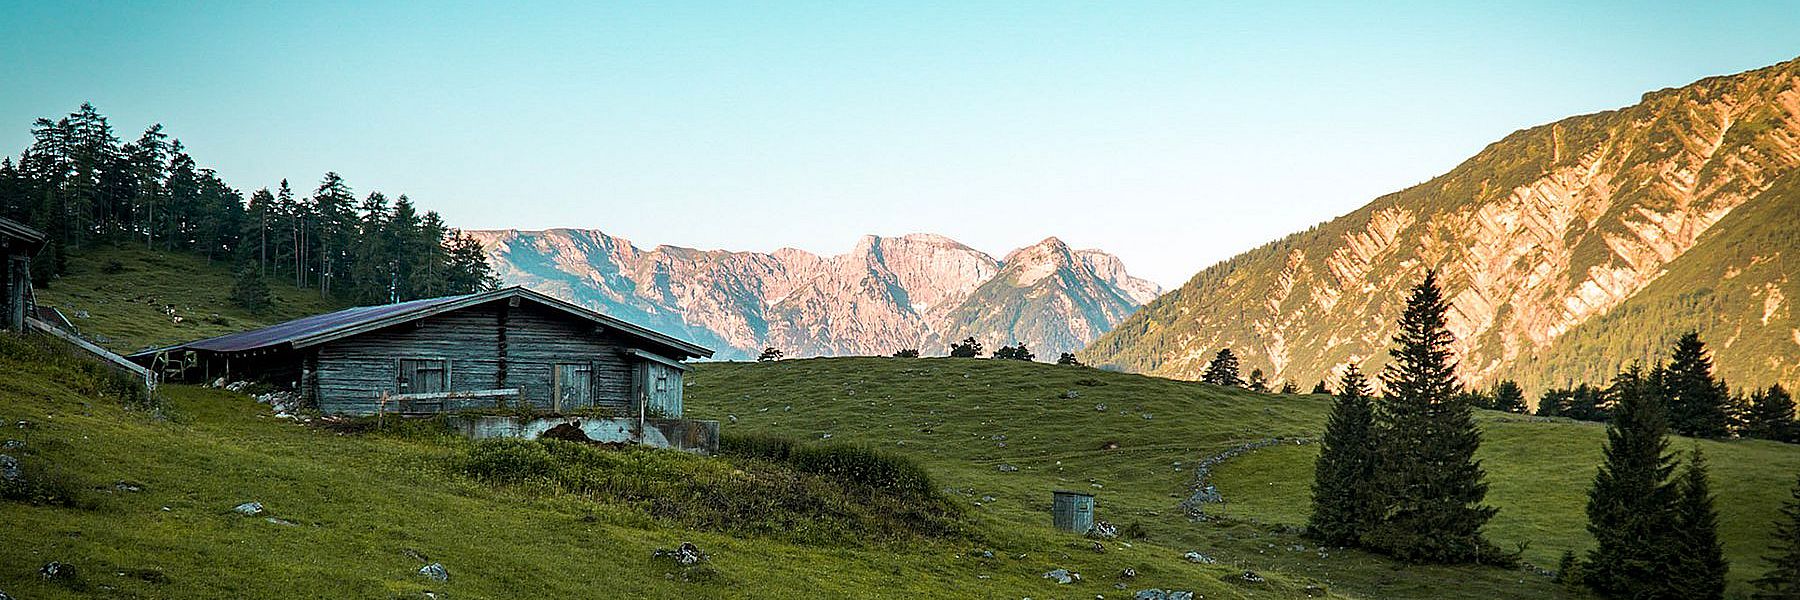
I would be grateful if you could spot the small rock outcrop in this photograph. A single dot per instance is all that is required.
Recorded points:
(686, 555)
(435, 572)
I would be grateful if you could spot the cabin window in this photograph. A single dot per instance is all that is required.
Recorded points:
(662, 380)
(423, 376)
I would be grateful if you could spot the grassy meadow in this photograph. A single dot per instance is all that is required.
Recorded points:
(138, 496)
(964, 418)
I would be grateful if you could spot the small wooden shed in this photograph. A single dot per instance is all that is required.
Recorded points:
(18, 244)
(451, 353)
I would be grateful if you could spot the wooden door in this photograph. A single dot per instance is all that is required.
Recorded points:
(574, 386)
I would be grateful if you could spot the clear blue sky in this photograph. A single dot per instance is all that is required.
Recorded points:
(1173, 134)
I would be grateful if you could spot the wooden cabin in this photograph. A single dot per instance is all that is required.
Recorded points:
(18, 244)
(447, 354)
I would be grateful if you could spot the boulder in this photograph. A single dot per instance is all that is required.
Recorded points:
(10, 471)
(58, 572)
(1151, 594)
(435, 572)
(1198, 558)
(1071, 395)
(686, 555)
(249, 509)
(1105, 530)
(1062, 576)
(1006, 468)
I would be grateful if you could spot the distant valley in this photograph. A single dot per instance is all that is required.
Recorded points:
(917, 291)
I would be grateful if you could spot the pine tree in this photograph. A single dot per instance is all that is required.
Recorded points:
(1319, 388)
(468, 269)
(770, 353)
(1344, 503)
(1771, 416)
(1507, 397)
(1288, 387)
(1697, 402)
(1554, 402)
(1699, 568)
(1588, 403)
(1257, 382)
(1432, 486)
(248, 290)
(1223, 370)
(968, 348)
(1782, 580)
(1630, 504)
(1068, 359)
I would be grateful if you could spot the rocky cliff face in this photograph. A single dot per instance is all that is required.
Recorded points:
(914, 291)
(1541, 233)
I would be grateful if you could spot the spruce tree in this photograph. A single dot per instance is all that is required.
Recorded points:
(248, 290)
(1771, 415)
(1432, 487)
(1257, 382)
(1223, 370)
(968, 348)
(1554, 402)
(1699, 558)
(1344, 502)
(1782, 580)
(1319, 388)
(1629, 507)
(1507, 397)
(1288, 387)
(1697, 402)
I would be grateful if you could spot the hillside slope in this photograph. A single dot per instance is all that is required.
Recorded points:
(1538, 234)
(355, 515)
(128, 299)
(915, 291)
(1134, 441)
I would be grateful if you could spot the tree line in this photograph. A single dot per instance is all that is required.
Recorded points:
(1698, 403)
(1397, 474)
(82, 187)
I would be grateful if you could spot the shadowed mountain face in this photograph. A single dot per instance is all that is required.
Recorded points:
(914, 291)
(1567, 249)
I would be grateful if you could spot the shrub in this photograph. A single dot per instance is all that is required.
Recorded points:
(763, 486)
(45, 485)
(755, 445)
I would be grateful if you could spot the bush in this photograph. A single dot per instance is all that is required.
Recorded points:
(764, 486)
(755, 445)
(859, 465)
(44, 485)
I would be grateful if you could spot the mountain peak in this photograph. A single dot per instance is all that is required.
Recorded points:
(884, 294)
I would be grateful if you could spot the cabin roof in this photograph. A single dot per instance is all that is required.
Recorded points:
(319, 329)
(14, 230)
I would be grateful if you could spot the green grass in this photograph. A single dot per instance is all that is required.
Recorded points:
(578, 522)
(365, 507)
(1539, 474)
(128, 294)
(946, 413)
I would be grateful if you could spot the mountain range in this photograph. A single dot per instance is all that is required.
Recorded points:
(918, 291)
(1568, 250)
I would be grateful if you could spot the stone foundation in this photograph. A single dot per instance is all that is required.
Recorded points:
(699, 437)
